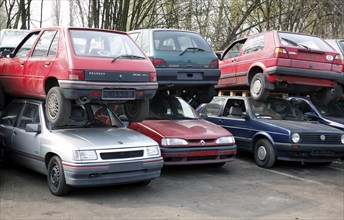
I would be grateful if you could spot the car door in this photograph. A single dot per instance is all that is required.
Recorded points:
(38, 65)
(14, 66)
(27, 144)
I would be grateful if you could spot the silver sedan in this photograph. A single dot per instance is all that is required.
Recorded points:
(92, 149)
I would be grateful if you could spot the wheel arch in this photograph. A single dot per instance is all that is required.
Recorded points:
(48, 157)
(253, 71)
(49, 83)
(262, 135)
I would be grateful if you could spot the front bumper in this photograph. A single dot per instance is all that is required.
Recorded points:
(93, 90)
(112, 173)
(198, 155)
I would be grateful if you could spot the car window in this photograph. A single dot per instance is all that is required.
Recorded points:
(234, 51)
(234, 108)
(25, 48)
(29, 116)
(254, 44)
(333, 109)
(9, 117)
(214, 107)
(301, 106)
(103, 44)
(43, 44)
(303, 41)
(178, 40)
(274, 109)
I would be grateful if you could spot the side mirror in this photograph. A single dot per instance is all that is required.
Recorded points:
(311, 115)
(123, 118)
(218, 56)
(33, 128)
(204, 116)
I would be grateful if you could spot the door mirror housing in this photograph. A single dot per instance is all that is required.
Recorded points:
(33, 128)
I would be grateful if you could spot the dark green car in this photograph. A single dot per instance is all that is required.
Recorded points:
(185, 63)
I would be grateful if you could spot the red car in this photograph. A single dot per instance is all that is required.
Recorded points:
(283, 62)
(184, 137)
(84, 65)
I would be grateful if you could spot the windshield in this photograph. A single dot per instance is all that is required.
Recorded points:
(171, 109)
(274, 109)
(333, 109)
(93, 43)
(90, 115)
(303, 41)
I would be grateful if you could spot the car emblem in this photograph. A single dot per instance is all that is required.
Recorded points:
(329, 57)
(322, 137)
(189, 61)
(202, 142)
(311, 66)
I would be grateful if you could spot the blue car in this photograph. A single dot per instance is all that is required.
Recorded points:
(273, 130)
(331, 114)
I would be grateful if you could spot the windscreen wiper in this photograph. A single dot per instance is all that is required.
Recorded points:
(190, 49)
(127, 56)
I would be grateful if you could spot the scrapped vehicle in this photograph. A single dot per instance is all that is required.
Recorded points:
(287, 62)
(9, 39)
(86, 151)
(272, 130)
(63, 65)
(331, 114)
(338, 45)
(185, 63)
(184, 137)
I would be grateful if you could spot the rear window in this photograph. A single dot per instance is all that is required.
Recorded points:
(178, 41)
(303, 41)
(103, 44)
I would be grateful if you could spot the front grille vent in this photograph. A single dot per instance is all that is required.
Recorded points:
(121, 155)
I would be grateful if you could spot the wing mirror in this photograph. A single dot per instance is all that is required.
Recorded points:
(33, 128)
(311, 115)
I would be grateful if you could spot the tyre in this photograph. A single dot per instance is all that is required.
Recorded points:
(57, 107)
(136, 110)
(258, 89)
(4, 160)
(2, 99)
(264, 153)
(326, 95)
(206, 94)
(56, 178)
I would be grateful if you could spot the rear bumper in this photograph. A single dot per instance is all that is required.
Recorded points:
(112, 173)
(306, 73)
(198, 155)
(93, 90)
(187, 77)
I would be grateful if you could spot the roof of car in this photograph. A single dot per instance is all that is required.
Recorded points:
(77, 28)
(163, 29)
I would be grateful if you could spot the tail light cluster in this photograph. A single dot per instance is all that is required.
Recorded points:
(76, 75)
(158, 62)
(281, 52)
(338, 60)
(214, 64)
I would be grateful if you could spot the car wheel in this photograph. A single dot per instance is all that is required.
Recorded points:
(258, 89)
(264, 153)
(326, 95)
(57, 107)
(56, 178)
(137, 110)
(207, 94)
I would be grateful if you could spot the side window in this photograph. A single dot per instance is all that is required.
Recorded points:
(53, 47)
(29, 116)
(25, 48)
(254, 44)
(234, 51)
(212, 109)
(43, 44)
(10, 116)
(234, 108)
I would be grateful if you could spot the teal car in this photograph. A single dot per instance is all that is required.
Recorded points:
(185, 63)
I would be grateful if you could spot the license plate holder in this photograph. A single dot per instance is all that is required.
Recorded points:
(118, 95)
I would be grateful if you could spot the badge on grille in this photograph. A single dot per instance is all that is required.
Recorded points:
(322, 137)
(202, 142)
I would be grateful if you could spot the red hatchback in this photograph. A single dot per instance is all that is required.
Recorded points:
(83, 65)
(184, 137)
(283, 62)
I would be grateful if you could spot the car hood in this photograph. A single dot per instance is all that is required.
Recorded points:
(336, 122)
(188, 129)
(301, 126)
(103, 138)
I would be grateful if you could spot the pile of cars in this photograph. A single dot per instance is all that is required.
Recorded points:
(90, 107)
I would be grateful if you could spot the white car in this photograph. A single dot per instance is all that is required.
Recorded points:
(93, 148)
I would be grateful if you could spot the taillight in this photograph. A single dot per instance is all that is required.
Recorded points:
(338, 60)
(152, 77)
(76, 75)
(157, 62)
(281, 53)
(214, 64)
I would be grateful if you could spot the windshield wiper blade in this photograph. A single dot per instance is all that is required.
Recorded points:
(127, 56)
(190, 49)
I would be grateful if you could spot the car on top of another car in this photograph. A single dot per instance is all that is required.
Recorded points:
(62, 65)
(272, 130)
(294, 63)
(185, 63)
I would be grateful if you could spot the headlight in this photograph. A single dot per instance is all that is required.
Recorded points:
(295, 137)
(225, 140)
(342, 139)
(84, 155)
(153, 150)
(173, 142)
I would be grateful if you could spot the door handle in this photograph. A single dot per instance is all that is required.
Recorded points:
(220, 121)
(22, 62)
(47, 63)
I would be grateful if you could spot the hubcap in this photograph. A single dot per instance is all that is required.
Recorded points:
(261, 153)
(257, 87)
(53, 106)
(55, 176)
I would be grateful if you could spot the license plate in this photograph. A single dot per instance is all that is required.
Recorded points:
(118, 95)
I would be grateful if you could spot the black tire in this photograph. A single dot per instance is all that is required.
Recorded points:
(2, 99)
(326, 95)
(4, 160)
(57, 107)
(258, 89)
(56, 178)
(264, 153)
(136, 110)
(205, 95)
